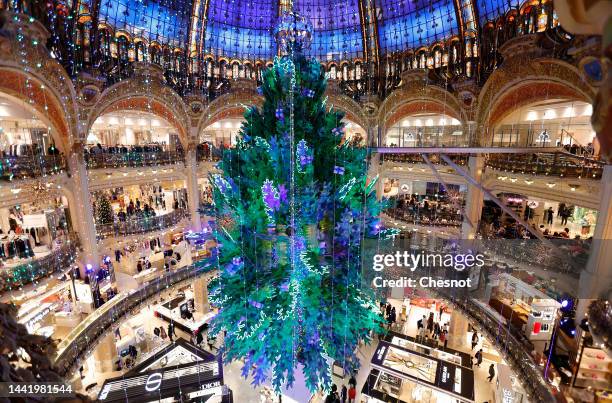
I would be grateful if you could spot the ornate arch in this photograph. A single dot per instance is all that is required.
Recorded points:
(416, 96)
(352, 110)
(228, 105)
(38, 80)
(517, 83)
(145, 92)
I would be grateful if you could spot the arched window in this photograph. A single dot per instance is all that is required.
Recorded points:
(332, 72)
(345, 75)
(357, 71)
(437, 58)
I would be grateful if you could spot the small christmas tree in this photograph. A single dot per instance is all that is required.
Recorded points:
(293, 206)
(104, 212)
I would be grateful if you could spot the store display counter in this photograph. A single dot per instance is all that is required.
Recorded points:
(405, 376)
(171, 311)
(441, 353)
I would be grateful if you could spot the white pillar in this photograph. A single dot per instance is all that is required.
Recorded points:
(193, 191)
(81, 209)
(596, 280)
(200, 295)
(474, 201)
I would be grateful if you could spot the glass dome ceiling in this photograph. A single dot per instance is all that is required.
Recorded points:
(243, 28)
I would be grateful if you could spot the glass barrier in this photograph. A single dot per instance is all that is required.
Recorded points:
(13, 277)
(105, 159)
(548, 164)
(82, 339)
(138, 226)
(30, 166)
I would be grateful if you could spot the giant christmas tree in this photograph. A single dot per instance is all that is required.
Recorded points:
(294, 206)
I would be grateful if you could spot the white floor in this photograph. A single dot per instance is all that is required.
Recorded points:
(245, 392)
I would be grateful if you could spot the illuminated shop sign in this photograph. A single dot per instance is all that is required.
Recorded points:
(193, 373)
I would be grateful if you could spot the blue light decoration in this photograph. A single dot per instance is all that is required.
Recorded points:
(164, 21)
(410, 24)
(490, 10)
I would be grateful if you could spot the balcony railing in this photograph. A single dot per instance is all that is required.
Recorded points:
(431, 136)
(548, 164)
(532, 135)
(132, 159)
(14, 277)
(515, 350)
(459, 159)
(431, 218)
(82, 340)
(140, 225)
(206, 152)
(30, 166)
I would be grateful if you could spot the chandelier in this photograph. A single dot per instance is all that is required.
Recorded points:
(41, 192)
(293, 32)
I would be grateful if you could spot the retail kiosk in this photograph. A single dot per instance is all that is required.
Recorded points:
(180, 372)
(401, 375)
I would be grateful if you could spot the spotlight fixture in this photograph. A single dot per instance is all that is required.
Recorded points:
(502, 177)
(551, 184)
(528, 181)
(513, 179)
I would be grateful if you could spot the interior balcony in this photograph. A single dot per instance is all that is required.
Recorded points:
(135, 156)
(131, 226)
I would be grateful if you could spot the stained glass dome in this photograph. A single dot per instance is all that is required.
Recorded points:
(343, 29)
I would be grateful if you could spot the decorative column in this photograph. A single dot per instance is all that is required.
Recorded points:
(105, 354)
(474, 202)
(596, 279)
(193, 190)
(200, 295)
(458, 328)
(81, 209)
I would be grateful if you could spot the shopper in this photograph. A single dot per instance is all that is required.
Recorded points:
(162, 332)
(443, 338)
(436, 331)
(352, 394)
(564, 215)
(430, 324)
(333, 397)
(420, 327)
(441, 311)
(171, 332)
(474, 339)
(491, 372)
(352, 381)
(343, 394)
(549, 216)
(478, 358)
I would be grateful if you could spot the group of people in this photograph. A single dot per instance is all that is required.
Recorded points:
(477, 360)
(410, 208)
(137, 210)
(429, 328)
(345, 395)
(389, 313)
(586, 151)
(563, 211)
(125, 149)
(161, 332)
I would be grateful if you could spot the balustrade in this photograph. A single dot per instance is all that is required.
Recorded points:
(140, 225)
(31, 166)
(132, 159)
(548, 164)
(82, 340)
(16, 276)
